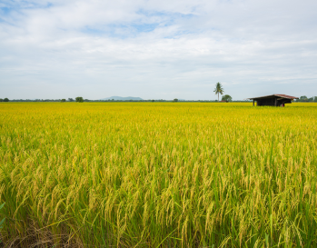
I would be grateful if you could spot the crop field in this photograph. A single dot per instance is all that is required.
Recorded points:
(158, 175)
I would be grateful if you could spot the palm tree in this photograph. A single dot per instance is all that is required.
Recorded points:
(218, 90)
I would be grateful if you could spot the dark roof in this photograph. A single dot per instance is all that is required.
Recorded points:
(278, 95)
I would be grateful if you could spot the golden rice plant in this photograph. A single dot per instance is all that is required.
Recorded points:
(158, 175)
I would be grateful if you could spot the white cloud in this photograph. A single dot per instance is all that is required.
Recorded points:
(157, 49)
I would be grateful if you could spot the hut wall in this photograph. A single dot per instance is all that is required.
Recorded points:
(272, 101)
(266, 102)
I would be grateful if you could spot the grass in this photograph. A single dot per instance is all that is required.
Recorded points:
(158, 175)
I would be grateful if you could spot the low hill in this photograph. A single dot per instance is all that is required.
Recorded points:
(122, 98)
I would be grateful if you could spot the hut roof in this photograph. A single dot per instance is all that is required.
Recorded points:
(275, 95)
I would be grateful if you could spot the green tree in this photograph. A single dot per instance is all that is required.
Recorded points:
(218, 90)
(227, 98)
(63, 100)
(79, 99)
(5, 99)
(1, 100)
(303, 99)
(175, 100)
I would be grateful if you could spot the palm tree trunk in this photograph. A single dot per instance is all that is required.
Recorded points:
(218, 96)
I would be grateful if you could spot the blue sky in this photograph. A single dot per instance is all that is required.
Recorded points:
(157, 49)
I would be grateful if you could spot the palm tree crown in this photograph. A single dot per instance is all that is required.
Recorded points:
(218, 90)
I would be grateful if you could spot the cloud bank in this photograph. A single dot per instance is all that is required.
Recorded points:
(157, 49)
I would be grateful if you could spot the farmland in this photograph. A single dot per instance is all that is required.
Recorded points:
(158, 175)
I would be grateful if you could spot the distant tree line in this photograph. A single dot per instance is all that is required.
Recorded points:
(306, 99)
(224, 98)
(31, 100)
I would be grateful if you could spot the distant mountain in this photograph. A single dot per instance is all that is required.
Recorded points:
(122, 98)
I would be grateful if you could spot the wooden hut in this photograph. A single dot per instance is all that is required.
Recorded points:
(278, 100)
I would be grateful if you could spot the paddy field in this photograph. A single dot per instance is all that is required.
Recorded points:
(158, 175)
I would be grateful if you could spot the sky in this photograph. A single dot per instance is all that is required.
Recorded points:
(162, 49)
